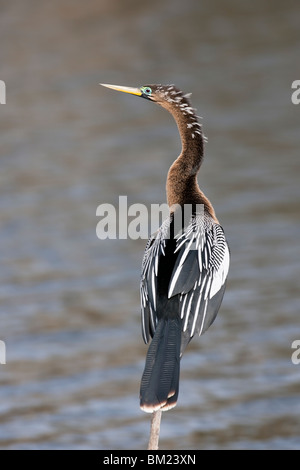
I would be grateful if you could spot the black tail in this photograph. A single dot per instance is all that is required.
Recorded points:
(160, 381)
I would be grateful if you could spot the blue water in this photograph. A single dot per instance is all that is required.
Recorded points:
(69, 302)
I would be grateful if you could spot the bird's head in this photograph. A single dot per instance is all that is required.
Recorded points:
(165, 95)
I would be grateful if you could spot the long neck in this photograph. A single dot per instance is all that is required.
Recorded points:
(182, 185)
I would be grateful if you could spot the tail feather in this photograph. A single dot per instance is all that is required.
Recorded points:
(160, 380)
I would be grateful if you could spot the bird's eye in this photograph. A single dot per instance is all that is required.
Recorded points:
(146, 90)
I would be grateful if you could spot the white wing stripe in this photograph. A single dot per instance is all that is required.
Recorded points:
(153, 288)
(204, 315)
(188, 312)
(183, 306)
(178, 270)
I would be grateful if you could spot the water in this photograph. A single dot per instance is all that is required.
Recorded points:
(70, 302)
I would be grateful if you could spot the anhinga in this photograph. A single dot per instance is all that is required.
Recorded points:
(185, 267)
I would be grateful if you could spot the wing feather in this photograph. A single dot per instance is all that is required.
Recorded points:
(198, 277)
(155, 248)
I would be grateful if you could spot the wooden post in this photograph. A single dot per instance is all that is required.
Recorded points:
(154, 430)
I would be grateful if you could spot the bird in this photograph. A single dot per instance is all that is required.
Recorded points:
(186, 261)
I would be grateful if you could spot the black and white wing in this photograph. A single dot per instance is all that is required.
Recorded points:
(155, 248)
(198, 277)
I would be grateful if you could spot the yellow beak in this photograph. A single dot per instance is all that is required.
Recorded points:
(125, 89)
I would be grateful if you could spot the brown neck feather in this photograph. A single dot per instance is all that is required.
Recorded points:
(182, 185)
